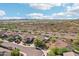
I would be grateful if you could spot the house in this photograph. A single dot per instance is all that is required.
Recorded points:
(69, 54)
(2, 32)
(46, 37)
(60, 43)
(46, 34)
(28, 38)
(7, 33)
(4, 53)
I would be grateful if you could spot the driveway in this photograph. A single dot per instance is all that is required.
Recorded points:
(30, 51)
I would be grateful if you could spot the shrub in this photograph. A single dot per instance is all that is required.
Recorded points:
(10, 39)
(53, 38)
(15, 52)
(39, 43)
(17, 37)
(57, 51)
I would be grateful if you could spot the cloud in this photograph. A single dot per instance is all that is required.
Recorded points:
(12, 17)
(44, 6)
(35, 14)
(60, 15)
(75, 6)
(38, 16)
(43, 16)
(63, 15)
(2, 13)
(70, 12)
(73, 10)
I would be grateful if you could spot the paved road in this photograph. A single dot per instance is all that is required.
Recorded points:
(30, 51)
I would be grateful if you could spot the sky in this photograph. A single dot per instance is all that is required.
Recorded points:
(39, 10)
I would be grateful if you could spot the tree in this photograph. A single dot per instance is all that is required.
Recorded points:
(62, 50)
(57, 51)
(53, 38)
(15, 52)
(17, 37)
(4, 36)
(11, 38)
(39, 43)
(53, 51)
